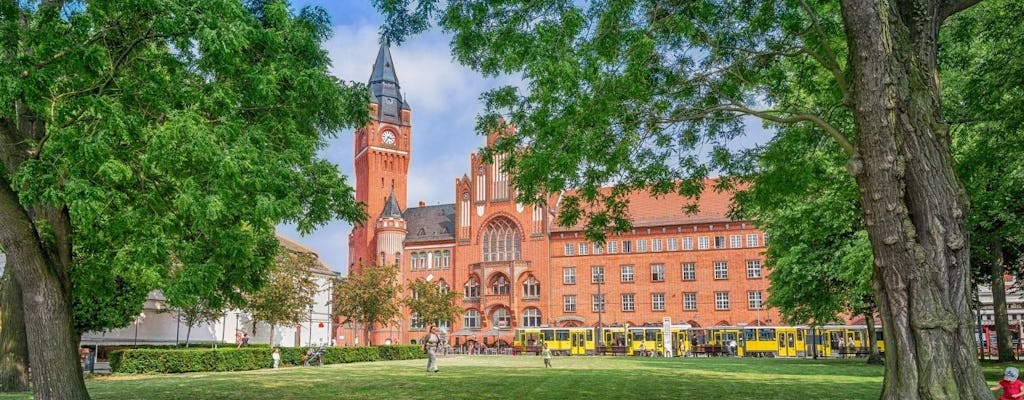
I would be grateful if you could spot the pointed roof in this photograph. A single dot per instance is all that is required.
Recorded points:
(391, 208)
(383, 79)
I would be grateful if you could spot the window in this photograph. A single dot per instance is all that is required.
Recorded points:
(569, 275)
(597, 274)
(627, 246)
(628, 302)
(641, 245)
(598, 248)
(446, 259)
(531, 288)
(754, 300)
(444, 324)
(598, 302)
(735, 241)
(656, 244)
(689, 271)
(765, 241)
(584, 249)
(627, 273)
(719, 242)
(690, 301)
(472, 288)
(570, 249)
(500, 318)
(500, 241)
(703, 243)
(443, 287)
(500, 285)
(721, 300)
(613, 247)
(673, 244)
(658, 272)
(752, 240)
(569, 303)
(471, 319)
(687, 243)
(531, 317)
(416, 323)
(658, 301)
(721, 270)
(753, 268)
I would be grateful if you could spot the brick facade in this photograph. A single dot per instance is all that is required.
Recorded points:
(702, 269)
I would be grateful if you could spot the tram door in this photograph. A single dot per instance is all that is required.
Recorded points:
(578, 343)
(681, 342)
(787, 343)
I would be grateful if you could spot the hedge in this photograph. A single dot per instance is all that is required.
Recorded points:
(141, 361)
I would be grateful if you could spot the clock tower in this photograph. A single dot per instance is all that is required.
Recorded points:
(382, 152)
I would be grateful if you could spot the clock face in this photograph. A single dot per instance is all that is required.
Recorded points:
(388, 137)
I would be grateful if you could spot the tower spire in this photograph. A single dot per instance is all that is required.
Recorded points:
(383, 79)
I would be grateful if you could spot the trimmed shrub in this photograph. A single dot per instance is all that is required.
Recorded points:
(143, 361)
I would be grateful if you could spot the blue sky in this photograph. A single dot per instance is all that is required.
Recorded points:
(444, 99)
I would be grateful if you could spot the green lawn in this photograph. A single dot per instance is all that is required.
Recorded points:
(499, 377)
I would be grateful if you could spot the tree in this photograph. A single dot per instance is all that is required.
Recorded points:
(982, 71)
(623, 93)
(369, 298)
(432, 302)
(289, 291)
(197, 313)
(136, 135)
(13, 341)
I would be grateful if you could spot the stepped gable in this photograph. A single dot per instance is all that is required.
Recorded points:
(296, 247)
(430, 223)
(646, 210)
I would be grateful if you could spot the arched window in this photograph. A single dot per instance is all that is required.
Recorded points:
(442, 286)
(472, 288)
(500, 241)
(437, 260)
(531, 317)
(446, 259)
(500, 318)
(499, 285)
(471, 319)
(531, 288)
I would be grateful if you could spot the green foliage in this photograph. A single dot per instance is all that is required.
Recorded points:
(143, 361)
(288, 294)
(369, 297)
(431, 302)
(177, 134)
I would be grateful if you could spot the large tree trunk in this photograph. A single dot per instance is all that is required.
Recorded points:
(42, 275)
(13, 341)
(914, 206)
(1002, 322)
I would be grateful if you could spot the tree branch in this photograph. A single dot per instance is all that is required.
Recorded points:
(771, 115)
(947, 8)
(830, 62)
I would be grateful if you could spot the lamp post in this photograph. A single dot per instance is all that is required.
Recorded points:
(600, 310)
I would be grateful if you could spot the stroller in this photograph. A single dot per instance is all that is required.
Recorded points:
(315, 355)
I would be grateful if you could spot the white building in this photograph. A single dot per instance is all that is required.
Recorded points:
(158, 325)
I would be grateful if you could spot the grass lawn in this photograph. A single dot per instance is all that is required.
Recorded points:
(503, 377)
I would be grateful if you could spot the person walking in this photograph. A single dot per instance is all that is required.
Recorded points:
(546, 352)
(431, 344)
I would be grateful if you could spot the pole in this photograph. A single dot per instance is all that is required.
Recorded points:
(981, 337)
(310, 326)
(177, 330)
(600, 310)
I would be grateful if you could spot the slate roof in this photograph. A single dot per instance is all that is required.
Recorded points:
(391, 208)
(384, 72)
(430, 223)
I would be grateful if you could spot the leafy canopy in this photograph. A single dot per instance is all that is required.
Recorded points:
(176, 134)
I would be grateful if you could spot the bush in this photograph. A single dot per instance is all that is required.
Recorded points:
(142, 361)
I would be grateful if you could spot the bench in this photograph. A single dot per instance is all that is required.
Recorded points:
(707, 349)
(611, 350)
(853, 351)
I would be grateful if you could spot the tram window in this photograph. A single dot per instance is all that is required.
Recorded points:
(561, 334)
(800, 335)
(766, 334)
(749, 334)
(637, 334)
(548, 334)
(650, 334)
(590, 335)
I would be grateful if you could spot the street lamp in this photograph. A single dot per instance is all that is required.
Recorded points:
(600, 310)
